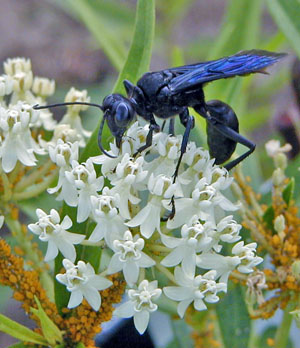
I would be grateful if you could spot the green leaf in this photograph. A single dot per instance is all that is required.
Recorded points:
(18, 345)
(51, 332)
(288, 192)
(233, 318)
(269, 217)
(139, 56)
(20, 332)
(286, 15)
(137, 62)
(181, 333)
(110, 43)
(268, 333)
(239, 32)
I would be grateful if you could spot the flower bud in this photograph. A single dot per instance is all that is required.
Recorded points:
(43, 86)
(296, 269)
(280, 161)
(74, 95)
(278, 177)
(279, 226)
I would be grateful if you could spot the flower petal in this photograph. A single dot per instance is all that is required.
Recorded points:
(141, 321)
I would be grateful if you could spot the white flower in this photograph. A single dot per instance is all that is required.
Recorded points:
(110, 225)
(148, 218)
(129, 257)
(20, 71)
(66, 133)
(63, 153)
(43, 87)
(6, 85)
(223, 265)
(200, 204)
(18, 143)
(246, 253)
(228, 230)
(83, 178)
(194, 289)
(129, 177)
(82, 282)
(273, 148)
(140, 304)
(168, 149)
(72, 116)
(51, 230)
(195, 238)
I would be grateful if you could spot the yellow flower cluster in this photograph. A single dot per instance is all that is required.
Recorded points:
(276, 229)
(26, 284)
(85, 323)
(81, 324)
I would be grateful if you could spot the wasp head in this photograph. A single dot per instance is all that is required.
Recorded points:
(119, 112)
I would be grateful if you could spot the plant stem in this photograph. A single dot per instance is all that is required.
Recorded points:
(35, 175)
(6, 186)
(282, 333)
(163, 270)
(35, 190)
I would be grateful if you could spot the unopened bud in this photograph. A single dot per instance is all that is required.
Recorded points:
(280, 160)
(279, 226)
(296, 269)
(278, 177)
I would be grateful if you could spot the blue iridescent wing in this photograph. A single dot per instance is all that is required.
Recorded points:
(242, 63)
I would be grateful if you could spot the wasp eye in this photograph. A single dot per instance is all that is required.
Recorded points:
(122, 116)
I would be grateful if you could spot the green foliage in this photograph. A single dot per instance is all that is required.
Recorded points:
(288, 192)
(20, 332)
(233, 318)
(286, 15)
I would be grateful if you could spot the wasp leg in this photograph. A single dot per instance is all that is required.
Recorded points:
(238, 138)
(154, 127)
(172, 126)
(189, 123)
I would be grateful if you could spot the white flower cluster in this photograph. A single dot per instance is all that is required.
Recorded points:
(129, 217)
(20, 123)
(129, 203)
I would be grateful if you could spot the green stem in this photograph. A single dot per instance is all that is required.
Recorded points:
(35, 190)
(158, 248)
(163, 270)
(30, 179)
(86, 242)
(283, 331)
(6, 185)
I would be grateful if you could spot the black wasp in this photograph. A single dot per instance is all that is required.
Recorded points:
(170, 92)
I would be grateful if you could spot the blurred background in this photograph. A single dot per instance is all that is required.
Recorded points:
(84, 43)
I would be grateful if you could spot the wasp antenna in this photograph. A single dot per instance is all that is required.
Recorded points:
(39, 107)
(100, 139)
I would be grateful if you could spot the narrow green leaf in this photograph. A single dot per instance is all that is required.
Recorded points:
(239, 32)
(20, 332)
(18, 345)
(288, 192)
(286, 15)
(137, 62)
(233, 318)
(139, 56)
(110, 43)
(269, 217)
(51, 332)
